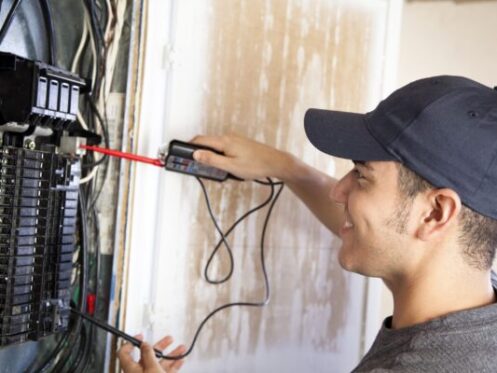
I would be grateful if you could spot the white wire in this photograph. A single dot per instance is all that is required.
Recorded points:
(79, 51)
(110, 19)
(82, 120)
(75, 64)
(113, 47)
(90, 176)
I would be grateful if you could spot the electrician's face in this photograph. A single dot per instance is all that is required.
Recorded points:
(376, 219)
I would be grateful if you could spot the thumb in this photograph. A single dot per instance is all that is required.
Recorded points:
(211, 159)
(148, 359)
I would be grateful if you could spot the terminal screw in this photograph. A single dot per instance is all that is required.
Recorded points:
(30, 144)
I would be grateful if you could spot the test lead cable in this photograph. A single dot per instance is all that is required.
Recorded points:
(271, 200)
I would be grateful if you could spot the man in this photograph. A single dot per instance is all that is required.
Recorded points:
(418, 210)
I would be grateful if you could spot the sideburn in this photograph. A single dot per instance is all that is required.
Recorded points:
(398, 219)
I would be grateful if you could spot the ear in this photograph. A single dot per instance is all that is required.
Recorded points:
(439, 214)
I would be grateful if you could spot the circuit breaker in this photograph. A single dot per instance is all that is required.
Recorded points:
(38, 207)
(39, 187)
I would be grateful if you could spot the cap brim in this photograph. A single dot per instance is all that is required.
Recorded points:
(343, 135)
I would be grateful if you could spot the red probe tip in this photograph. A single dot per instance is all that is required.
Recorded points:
(123, 155)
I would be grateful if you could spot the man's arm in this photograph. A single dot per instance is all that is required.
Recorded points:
(249, 159)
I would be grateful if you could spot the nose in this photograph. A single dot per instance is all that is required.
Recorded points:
(340, 191)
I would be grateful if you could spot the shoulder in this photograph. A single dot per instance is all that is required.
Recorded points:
(459, 342)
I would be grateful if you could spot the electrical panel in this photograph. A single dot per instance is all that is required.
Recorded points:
(38, 206)
(39, 186)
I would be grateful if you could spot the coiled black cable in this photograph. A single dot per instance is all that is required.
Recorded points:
(273, 197)
(225, 235)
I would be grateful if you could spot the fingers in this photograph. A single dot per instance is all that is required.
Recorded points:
(148, 359)
(216, 142)
(172, 366)
(175, 366)
(212, 159)
(124, 354)
(163, 343)
(127, 362)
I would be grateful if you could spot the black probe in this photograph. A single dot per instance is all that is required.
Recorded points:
(118, 333)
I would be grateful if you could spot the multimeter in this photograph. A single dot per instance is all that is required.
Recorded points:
(180, 159)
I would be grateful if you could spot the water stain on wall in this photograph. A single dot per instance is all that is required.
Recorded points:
(270, 60)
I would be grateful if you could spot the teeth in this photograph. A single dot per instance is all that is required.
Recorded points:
(348, 224)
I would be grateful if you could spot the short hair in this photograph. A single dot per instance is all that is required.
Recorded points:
(478, 233)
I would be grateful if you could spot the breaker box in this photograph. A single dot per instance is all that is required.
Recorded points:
(39, 186)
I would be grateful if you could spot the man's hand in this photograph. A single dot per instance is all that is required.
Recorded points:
(249, 159)
(243, 157)
(148, 362)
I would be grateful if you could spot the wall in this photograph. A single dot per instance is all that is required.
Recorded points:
(252, 67)
(446, 38)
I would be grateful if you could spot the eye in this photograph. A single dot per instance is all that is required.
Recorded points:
(358, 174)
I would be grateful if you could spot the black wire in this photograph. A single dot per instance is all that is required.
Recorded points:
(8, 19)
(96, 226)
(82, 342)
(100, 45)
(105, 132)
(267, 182)
(267, 296)
(92, 165)
(261, 303)
(46, 364)
(223, 237)
(47, 15)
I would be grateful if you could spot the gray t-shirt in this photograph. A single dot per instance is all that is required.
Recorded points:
(464, 341)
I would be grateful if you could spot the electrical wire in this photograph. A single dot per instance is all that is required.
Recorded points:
(8, 19)
(273, 198)
(90, 176)
(98, 123)
(104, 159)
(93, 50)
(52, 47)
(267, 295)
(72, 351)
(223, 237)
(81, 46)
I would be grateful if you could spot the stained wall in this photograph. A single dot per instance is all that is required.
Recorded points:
(253, 68)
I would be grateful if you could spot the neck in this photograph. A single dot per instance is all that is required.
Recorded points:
(421, 298)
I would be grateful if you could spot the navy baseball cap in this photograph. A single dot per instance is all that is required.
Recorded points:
(444, 128)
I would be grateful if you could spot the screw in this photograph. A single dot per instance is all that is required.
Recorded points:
(30, 144)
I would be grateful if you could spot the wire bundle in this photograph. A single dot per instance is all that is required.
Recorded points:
(96, 51)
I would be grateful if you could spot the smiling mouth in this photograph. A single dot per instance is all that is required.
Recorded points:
(346, 226)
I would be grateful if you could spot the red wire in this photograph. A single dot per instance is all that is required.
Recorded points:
(124, 155)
